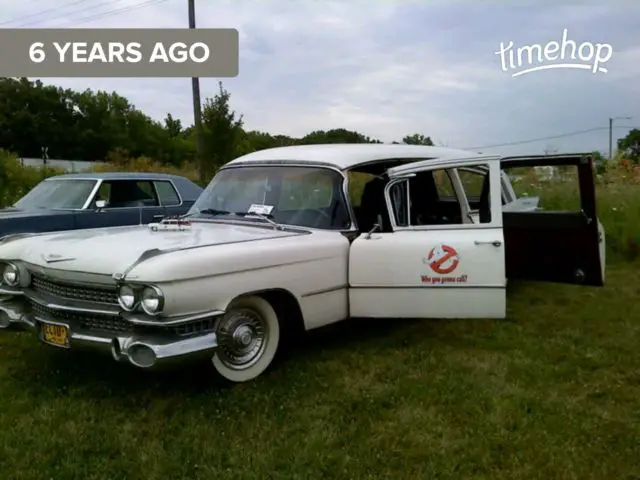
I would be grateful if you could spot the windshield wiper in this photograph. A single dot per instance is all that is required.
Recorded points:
(212, 211)
(207, 211)
(267, 217)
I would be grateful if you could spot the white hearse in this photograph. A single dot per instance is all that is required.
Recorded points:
(288, 239)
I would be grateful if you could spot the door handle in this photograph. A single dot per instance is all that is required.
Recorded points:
(495, 243)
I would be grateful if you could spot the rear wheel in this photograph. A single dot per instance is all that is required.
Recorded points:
(248, 337)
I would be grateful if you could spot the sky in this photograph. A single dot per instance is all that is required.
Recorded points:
(388, 68)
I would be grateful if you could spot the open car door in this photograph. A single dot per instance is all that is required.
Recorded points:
(429, 256)
(556, 246)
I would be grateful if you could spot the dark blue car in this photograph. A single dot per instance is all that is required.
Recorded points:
(95, 200)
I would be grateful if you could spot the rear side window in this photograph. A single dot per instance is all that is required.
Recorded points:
(554, 188)
(167, 194)
(127, 193)
(472, 182)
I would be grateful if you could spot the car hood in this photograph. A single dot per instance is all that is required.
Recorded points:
(113, 250)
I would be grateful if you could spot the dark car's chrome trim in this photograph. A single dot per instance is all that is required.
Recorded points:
(92, 194)
(153, 181)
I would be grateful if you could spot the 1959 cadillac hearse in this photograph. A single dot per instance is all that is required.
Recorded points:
(275, 246)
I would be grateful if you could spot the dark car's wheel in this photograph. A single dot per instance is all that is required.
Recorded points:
(249, 338)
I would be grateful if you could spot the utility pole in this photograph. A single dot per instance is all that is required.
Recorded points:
(197, 106)
(611, 133)
(610, 138)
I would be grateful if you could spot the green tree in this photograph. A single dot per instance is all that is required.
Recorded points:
(336, 135)
(222, 132)
(417, 139)
(629, 146)
(81, 125)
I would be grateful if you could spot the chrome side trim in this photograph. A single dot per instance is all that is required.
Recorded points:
(325, 290)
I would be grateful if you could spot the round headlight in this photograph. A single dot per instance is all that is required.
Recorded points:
(152, 300)
(10, 275)
(127, 298)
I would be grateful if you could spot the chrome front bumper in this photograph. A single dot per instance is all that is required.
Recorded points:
(148, 347)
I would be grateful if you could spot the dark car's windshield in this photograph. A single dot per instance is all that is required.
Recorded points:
(57, 194)
(302, 196)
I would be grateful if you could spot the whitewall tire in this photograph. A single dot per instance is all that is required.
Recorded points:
(248, 338)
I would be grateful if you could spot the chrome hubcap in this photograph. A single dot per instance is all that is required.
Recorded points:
(243, 338)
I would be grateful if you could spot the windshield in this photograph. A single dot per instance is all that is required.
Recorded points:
(301, 196)
(57, 194)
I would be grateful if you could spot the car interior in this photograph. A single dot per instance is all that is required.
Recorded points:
(127, 194)
(540, 244)
(432, 202)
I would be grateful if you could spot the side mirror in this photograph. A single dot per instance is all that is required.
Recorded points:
(100, 204)
(375, 228)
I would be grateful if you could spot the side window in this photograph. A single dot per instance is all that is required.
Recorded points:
(472, 181)
(444, 187)
(167, 194)
(443, 197)
(552, 188)
(398, 194)
(357, 181)
(127, 193)
(148, 192)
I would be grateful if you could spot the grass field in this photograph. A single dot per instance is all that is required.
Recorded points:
(552, 392)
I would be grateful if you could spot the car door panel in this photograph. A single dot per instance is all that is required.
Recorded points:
(108, 217)
(436, 273)
(564, 247)
(448, 271)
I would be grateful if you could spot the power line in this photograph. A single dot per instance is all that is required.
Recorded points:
(117, 11)
(89, 18)
(552, 137)
(42, 12)
(64, 15)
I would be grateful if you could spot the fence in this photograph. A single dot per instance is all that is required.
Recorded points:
(70, 166)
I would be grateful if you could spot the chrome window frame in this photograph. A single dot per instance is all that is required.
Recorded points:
(143, 179)
(496, 219)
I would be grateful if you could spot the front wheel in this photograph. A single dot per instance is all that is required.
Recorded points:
(248, 337)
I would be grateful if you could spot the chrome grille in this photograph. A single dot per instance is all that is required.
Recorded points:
(202, 326)
(88, 321)
(73, 292)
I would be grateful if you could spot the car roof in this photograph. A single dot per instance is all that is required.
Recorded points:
(350, 155)
(116, 176)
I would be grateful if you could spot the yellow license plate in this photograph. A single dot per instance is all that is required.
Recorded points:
(57, 335)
